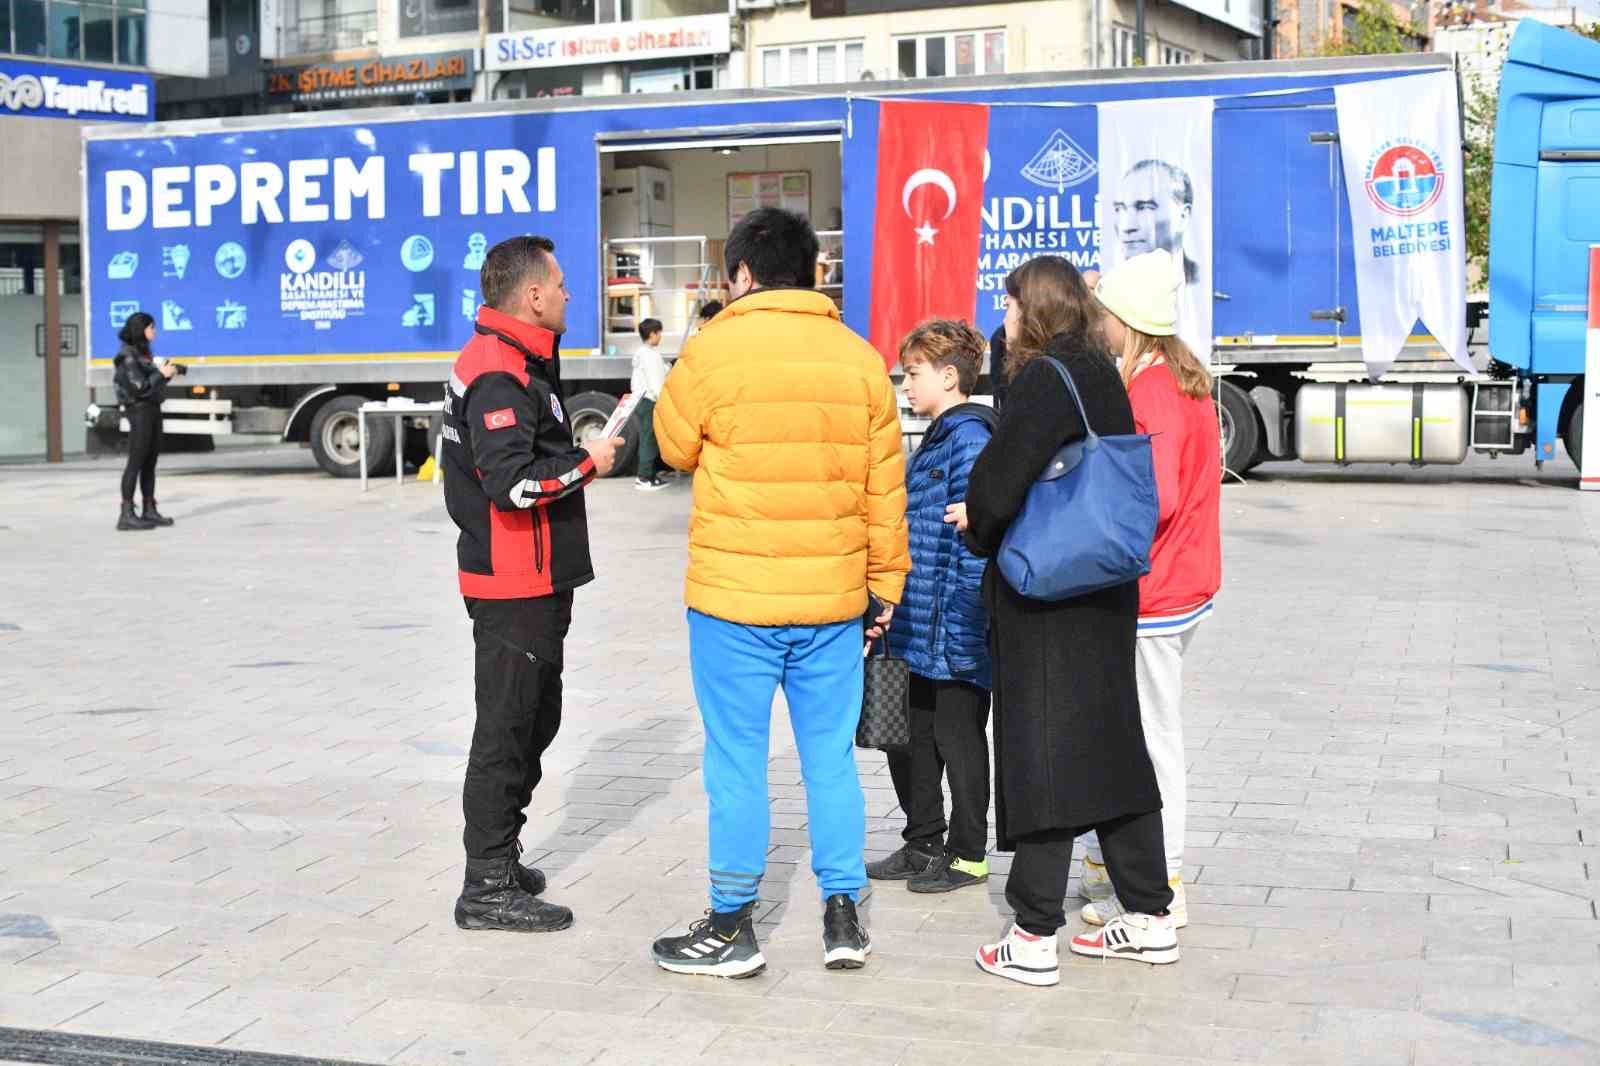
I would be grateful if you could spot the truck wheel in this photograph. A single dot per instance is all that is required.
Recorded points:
(1573, 436)
(587, 413)
(1241, 432)
(336, 439)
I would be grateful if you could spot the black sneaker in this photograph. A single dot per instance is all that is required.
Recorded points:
(845, 943)
(909, 861)
(948, 873)
(653, 484)
(704, 950)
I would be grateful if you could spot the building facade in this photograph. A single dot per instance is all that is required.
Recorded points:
(832, 41)
(65, 64)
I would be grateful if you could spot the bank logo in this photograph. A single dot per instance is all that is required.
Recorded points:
(416, 253)
(174, 319)
(1060, 164)
(231, 315)
(121, 311)
(230, 260)
(1404, 178)
(22, 92)
(345, 257)
(122, 266)
(175, 261)
(299, 257)
(420, 313)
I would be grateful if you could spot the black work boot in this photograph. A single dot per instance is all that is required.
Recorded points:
(128, 520)
(531, 878)
(153, 516)
(492, 898)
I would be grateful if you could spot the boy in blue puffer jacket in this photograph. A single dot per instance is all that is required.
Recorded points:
(941, 628)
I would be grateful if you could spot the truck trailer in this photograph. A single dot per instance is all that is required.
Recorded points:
(301, 265)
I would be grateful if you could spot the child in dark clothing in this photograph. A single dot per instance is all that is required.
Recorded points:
(941, 628)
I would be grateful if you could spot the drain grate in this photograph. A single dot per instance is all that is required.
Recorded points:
(80, 1049)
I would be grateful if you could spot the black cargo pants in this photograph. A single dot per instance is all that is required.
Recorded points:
(517, 689)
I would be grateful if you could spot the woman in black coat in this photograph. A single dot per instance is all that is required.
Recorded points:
(141, 385)
(1070, 754)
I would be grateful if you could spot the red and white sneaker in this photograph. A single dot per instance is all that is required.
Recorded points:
(1139, 937)
(1021, 956)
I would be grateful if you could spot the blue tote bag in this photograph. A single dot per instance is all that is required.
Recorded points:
(1089, 521)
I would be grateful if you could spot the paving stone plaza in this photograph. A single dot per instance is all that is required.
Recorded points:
(231, 756)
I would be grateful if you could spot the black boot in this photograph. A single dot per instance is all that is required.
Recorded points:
(128, 520)
(492, 898)
(153, 516)
(531, 878)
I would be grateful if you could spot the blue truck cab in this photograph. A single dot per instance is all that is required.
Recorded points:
(1544, 215)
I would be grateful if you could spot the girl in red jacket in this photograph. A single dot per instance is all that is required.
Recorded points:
(1170, 390)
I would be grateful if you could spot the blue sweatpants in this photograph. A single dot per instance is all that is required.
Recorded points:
(736, 669)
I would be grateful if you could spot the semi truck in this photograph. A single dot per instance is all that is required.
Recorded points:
(302, 265)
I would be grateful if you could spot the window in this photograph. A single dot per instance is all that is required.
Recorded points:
(942, 55)
(671, 77)
(314, 26)
(131, 45)
(30, 19)
(1123, 52)
(91, 32)
(66, 31)
(812, 64)
(99, 42)
(1173, 56)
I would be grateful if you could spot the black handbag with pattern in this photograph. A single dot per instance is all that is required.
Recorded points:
(885, 702)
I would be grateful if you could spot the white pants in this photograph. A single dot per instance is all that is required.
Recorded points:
(1159, 666)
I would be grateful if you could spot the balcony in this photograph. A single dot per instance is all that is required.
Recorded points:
(333, 32)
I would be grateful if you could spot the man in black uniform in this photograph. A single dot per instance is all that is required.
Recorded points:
(513, 483)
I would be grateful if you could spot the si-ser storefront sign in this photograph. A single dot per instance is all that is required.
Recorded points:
(49, 90)
(367, 78)
(609, 43)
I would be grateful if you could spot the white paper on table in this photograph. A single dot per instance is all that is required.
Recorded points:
(620, 416)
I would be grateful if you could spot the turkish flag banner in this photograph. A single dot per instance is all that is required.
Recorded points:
(930, 205)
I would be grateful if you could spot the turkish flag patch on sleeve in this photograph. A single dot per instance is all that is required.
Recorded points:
(504, 418)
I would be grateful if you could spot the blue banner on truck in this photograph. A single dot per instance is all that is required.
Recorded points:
(361, 240)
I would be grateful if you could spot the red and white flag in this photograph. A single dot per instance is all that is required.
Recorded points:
(930, 201)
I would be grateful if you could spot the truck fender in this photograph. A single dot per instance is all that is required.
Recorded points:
(1269, 405)
(298, 428)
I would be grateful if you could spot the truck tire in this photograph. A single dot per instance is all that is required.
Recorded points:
(336, 440)
(1241, 429)
(587, 413)
(1572, 436)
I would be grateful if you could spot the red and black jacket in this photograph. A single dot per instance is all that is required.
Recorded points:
(513, 481)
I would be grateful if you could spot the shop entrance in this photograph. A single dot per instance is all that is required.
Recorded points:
(668, 202)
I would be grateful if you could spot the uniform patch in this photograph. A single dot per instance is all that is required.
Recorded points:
(504, 418)
(555, 408)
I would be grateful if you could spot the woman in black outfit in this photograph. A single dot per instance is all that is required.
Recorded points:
(1070, 754)
(141, 386)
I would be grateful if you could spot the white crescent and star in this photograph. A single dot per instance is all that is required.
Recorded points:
(940, 180)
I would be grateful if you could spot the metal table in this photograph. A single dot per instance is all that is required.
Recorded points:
(398, 411)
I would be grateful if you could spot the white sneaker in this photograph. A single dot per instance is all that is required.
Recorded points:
(1137, 937)
(1095, 883)
(1023, 957)
(1097, 912)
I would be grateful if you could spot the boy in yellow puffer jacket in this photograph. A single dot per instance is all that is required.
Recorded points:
(790, 425)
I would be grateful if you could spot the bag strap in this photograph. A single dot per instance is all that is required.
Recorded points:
(1072, 387)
